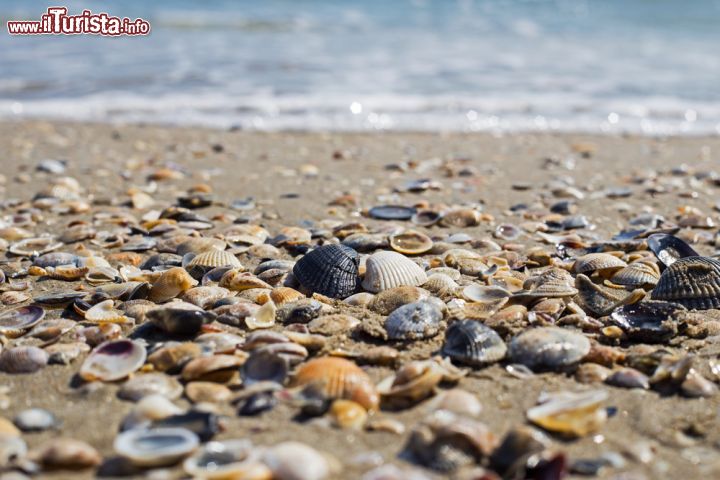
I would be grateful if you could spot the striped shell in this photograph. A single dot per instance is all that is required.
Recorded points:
(598, 261)
(330, 270)
(440, 284)
(282, 295)
(554, 282)
(171, 284)
(23, 359)
(339, 378)
(214, 258)
(637, 274)
(386, 270)
(414, 321)
(693, 282)
(473, 343)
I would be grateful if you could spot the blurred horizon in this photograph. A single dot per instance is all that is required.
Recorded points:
(637, 66)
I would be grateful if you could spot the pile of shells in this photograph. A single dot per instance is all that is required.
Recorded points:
(193, 318)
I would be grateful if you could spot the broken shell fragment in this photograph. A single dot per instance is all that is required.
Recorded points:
(571, 414)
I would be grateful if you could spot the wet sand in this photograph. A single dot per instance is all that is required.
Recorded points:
(278, 170)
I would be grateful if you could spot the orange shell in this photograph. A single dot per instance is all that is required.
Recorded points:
(339, 378)
(171, 284)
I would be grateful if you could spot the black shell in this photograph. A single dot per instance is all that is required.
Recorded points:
(693, 282)
(669, 248)
(330, 270)
(473, 343)
(649, 321)
(179, 321)
(414, 321)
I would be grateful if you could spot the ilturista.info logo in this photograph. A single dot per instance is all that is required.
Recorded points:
(57, 22)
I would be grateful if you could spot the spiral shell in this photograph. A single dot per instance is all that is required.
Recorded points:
(330, 270)
(385, 270)
(693, 282)
(472, 343)
(171, 284)
(338, 378)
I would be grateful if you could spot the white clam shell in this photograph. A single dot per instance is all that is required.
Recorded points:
(386, 270)
(156, 447)
(113, 360)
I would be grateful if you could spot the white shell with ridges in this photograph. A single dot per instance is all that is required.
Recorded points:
(391, 269)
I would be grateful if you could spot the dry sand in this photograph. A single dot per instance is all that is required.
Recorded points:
(684, 432)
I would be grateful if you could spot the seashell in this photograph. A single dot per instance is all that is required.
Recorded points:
(31, 247)
(214, 275)
(139, 245)
(238, 281)
(148, 409)
(15, 322)
(179, 321)
(282, 295)
(235, 314)
(220, 342)
(205, 296)
(348, 414)
(592, 373)
(50, 329)
(391, 299)
(215, 368)
(338, 378)
(548, 348)
(295, 461)
(648, 321)
(506, 231)
(56, 259)
(124, 291)
(212, 258)
(473, 343)
(23, 359)
(461, 218)
(264, 317)
(361, 299)
(113, 360)
(450, 272)
(452, 257)
(35, 420)
(330, 270)
(263, 366)
(174, 356)
(147, 384)
(14, 297)
(440, 284)
(413, 382)
(599, 300)
(552, 283)
(226, 460)
(693, 282)
(59, 297)
(156, 447)
(264, 251)
(385, 270)
(411, 242)
(425, 217)
(457, 401)
(207, 392)
(571, 414)
(628, 378)
(668, 248)
(198, 245)
(69, 454)
(105, 312)
(77, 233)
(519, 444)
(637, 274)
(203, 424)
(285, 265)
(366, 242)
(100, 275)
(445, 442)
(414, 321)
(65, 353)
(391, 212)
(594, 262)
(171, 283)
(66, 272)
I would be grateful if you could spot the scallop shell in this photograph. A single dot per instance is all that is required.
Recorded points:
(637, 274)
(113, 360)
(213, 258)
(554, 282)
(156, 447)
(440, 284)
(548, 347)
(472, 343)
(330, 270)
(105, 312)
(171, 284)
(414, 321)
(197, 245)
(23, 359)
(338, 378)
(282, 295)
(411, 242)
(593, 262)
(693, 282)
(17, 321)
(385, 270)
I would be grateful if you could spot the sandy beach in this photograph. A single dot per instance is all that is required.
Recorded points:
(294, 178)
